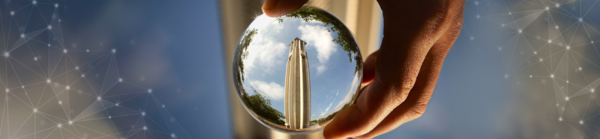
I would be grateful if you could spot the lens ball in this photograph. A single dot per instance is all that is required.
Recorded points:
(296, 72)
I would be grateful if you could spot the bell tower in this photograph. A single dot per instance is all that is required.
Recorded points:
(297, 87)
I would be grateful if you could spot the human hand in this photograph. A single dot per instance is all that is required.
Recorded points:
(400, 77)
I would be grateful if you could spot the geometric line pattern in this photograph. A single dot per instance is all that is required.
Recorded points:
(550, 52)
(54, 88)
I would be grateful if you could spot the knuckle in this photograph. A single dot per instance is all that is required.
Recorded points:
(400, 91)
(418, 110)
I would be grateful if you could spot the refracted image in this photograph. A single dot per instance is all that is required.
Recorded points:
(297, 87)
(296, 72)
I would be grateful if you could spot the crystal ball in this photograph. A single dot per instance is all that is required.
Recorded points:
(296, 72)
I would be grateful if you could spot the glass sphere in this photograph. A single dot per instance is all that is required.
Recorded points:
(296, 72)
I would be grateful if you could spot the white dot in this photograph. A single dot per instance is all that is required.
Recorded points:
(48, 81)
(568, 47)
(35, 110)
(560, 119)
(541, 60)
(567, 98)
(22, 86)
(143, 113)
(117, 104)
(172, 135)
(64, 50)
(592, 90)
(478, 16)
(503, 25)
(549, 41)
(114, 50)
(149, 90)
(556, 27)
(35, 58)
(49, 45)
(120, 79)
(12, 12)
(56, 5)
(557, 5)
(68, 87)
(76, 67)
(472, 38)
(580, 19)
(22, 35)
(59, 125)
(70, 122)
(163, 106)
(530, 76)
(6, 90)
(145, 128)
(520, 31)
(506, 76)
(581, 122)
(87, 50)
(551, 75)
(547, 8)
(109, 117)
(34, 2)
(98, 98)
(579, 68)
(6, 54)
(535, 52)
(50, 27)
(83, 75)
(59, 102)
(567, 81)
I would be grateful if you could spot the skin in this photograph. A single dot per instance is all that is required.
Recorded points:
(399, 77)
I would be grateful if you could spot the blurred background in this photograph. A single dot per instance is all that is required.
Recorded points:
(161, 69)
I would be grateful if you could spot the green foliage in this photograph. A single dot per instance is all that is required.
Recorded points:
(343, 38)
(262, 107)
(243, 47)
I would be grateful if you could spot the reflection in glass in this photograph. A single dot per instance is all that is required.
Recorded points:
(274, 80)
(297, 87)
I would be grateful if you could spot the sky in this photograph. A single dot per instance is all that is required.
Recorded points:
(168, 76)
(332, 76)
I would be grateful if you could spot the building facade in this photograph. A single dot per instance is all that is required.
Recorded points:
(297, 87)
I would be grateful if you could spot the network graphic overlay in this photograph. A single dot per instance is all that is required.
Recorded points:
(550, 51)
(55, 88)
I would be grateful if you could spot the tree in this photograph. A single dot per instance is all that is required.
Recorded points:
(343, 38)
(261, 106)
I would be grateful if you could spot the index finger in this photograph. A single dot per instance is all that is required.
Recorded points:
(275, 8)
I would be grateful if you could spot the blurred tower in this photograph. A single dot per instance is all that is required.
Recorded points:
(297, 87)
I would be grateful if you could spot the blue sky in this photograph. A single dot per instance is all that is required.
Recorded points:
(333, 79)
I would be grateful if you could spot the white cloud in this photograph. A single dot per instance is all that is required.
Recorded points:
(321, 69)
(271, 90)
(264, 53)
(318, 37)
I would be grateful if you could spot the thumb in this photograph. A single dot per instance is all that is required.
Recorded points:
(275, 8)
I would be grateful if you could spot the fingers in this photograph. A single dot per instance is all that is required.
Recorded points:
(275, 8)
(399, 61)
(369, 68)
(419, 96)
